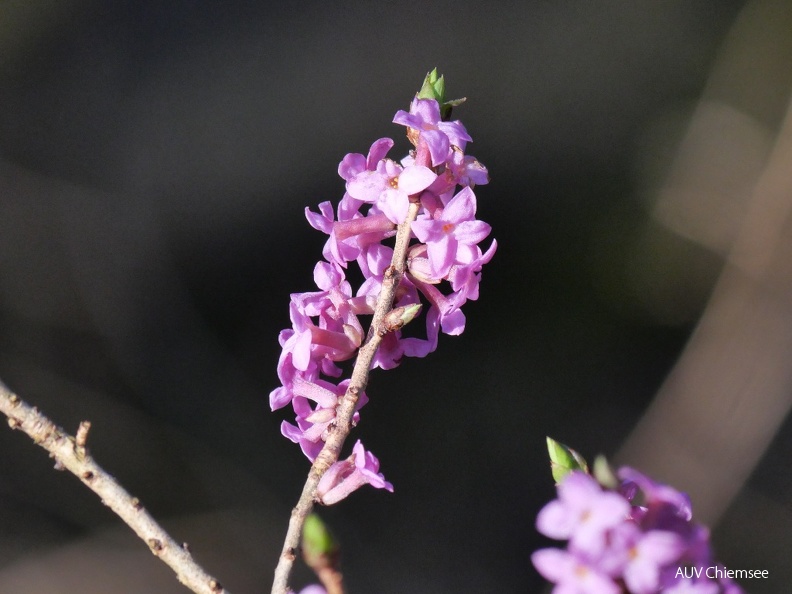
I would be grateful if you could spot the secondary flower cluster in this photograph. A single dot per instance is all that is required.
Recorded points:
(444, 264)
(617, 546)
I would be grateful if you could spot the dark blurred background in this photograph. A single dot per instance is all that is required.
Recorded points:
(155, 163)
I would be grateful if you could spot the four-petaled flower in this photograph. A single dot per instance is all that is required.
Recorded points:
(571, 574)
(346, 476)
(582, 513)
(389, 187)
(452, 233)
(424, 122)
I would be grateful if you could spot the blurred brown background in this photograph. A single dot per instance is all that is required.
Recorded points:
(155, 161)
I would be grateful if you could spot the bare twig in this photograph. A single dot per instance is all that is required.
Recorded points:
(343, 423)
(70, 453)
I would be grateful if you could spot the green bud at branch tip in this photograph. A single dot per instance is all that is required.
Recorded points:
(434, 88)
(564, 460)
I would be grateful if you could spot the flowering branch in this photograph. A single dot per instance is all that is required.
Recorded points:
(413, 200)
(346, 409)
(70, 453)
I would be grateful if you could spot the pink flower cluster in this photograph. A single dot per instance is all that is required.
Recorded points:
(616, 546)
(444, 265)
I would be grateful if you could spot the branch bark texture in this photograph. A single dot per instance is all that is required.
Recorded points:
(70, 453)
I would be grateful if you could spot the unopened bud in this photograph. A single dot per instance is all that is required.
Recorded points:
(353, 334)
(420, 269)
(564, 460)
(604, 473)
(399, 316)
(320, 549)
(433, 87)
(321, 415)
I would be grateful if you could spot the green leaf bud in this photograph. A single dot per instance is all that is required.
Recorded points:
(564, 460)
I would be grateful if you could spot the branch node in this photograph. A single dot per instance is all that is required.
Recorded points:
(88, 476)
(215, 586)
(14, 423)
(135, 502)
(155, 545)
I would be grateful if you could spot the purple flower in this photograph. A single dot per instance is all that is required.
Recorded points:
(390, 186)
(313, 423)
(439, 136)
(451, 318)
(572, 574)
(465, 278)
(657, 493)
(355, 163)
(466, 170)
(648, 553)
(452, 233)
(417, 347)
(582, 513)
(665, 508)
(335, 250)
(346, 476)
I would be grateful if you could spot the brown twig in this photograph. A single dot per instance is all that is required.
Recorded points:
(70, 453)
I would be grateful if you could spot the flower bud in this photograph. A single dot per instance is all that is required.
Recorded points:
(564, 460)
(418, 264)
(434, 88)
(399, 316)
(604, 473)
(320, 549)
